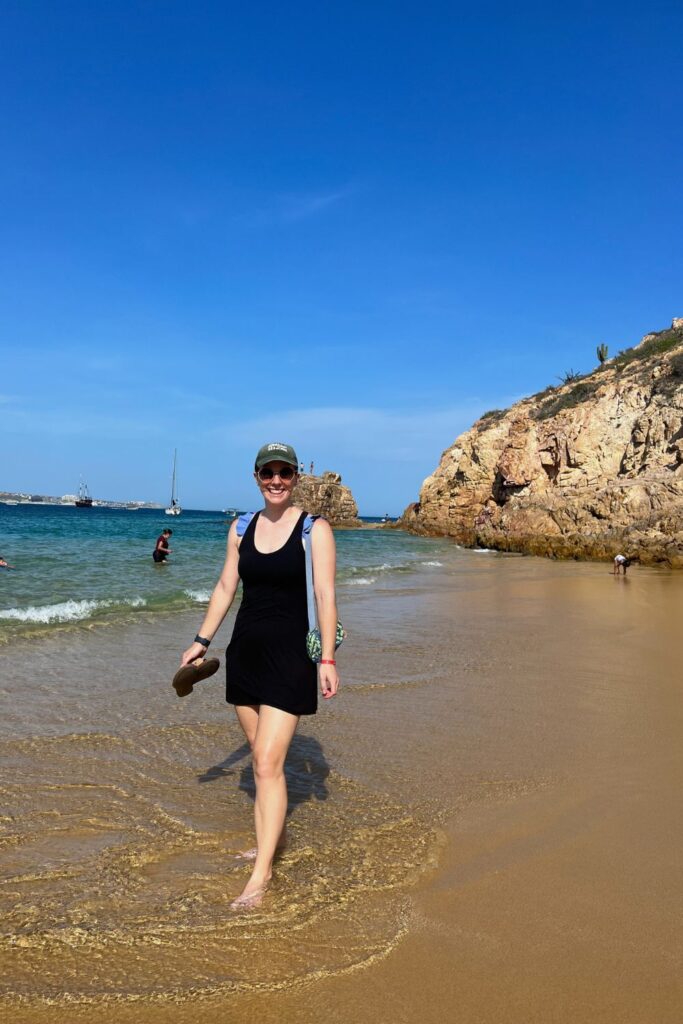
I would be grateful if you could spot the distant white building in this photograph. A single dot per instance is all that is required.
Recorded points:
(68, 498)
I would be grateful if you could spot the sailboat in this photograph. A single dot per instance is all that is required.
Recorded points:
(83, 500)
(174, 508)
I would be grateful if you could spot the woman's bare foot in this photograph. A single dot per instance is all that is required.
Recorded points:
(251, 896)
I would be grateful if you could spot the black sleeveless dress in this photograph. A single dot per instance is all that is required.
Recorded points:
(266, 660)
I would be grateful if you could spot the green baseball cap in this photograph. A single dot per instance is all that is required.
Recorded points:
(276, 452)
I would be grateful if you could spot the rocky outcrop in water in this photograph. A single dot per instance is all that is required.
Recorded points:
(587, 469)
(327, 496)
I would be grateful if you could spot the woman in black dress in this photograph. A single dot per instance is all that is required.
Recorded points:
(270, 678)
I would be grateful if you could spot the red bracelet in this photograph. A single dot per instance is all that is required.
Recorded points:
(327, 661)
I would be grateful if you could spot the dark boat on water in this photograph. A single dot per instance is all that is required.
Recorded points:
(83, 500)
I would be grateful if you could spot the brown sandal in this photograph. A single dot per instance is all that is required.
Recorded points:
(188, 675)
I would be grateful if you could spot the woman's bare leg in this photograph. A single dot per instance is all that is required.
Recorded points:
(274, 734)
(248, 717)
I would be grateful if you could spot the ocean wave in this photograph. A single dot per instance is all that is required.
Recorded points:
(200, 596)
(65, 611)
(486, 551)
(363, 575)
(358, 570)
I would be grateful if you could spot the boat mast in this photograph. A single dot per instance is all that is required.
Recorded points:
(173, 501)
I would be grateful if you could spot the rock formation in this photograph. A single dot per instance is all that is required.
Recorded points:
(326, 496)
(587, 469)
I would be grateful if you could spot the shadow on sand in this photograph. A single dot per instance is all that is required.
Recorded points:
(306, 771)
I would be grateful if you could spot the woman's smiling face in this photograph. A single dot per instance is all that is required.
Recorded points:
(274, 488)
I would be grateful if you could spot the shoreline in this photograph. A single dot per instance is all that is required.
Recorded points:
(561, 548)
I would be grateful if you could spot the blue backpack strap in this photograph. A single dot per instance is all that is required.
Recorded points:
(243, 523)
(308, 524)
(310, 592)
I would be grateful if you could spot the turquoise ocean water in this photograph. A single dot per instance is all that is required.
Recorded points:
(77, 568)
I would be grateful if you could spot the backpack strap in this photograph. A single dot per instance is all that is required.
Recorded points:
(308, 525)
(310, 592)
(243, 523)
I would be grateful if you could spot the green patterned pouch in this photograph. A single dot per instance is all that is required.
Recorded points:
(314, 645)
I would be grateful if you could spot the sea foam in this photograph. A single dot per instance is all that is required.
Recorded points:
(356, 570)
(65, 611)
(200, 596)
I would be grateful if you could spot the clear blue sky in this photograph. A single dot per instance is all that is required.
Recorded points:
(350, 226)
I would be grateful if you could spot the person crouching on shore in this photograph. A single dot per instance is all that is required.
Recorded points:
(622, 562)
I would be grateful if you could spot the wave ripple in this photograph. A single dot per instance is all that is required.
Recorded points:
(66, 611)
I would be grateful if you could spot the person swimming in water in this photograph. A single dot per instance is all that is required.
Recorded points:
(162, 550)
(4, 564)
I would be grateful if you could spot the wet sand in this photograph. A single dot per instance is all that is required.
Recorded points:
(486, 826)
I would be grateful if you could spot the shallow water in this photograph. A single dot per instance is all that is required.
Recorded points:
(81, 568)
(501, 717)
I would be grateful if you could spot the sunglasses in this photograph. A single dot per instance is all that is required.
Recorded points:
(265, 474)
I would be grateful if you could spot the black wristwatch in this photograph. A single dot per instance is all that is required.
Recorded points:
(201, 640)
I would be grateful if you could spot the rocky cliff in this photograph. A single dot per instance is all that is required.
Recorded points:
(326, 496)
(587, 469)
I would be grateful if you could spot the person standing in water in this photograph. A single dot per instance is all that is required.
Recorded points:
(162, 550)
(270, 679)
